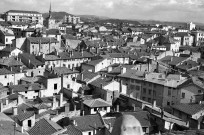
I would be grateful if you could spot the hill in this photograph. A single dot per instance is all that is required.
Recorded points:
(56, 15)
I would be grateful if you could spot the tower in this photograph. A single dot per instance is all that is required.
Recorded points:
(50, 21)
(50, 11)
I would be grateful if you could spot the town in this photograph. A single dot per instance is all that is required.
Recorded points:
(69, 77)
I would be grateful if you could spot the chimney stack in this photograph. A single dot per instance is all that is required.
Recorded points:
(53, 102)
(67, 107)
(1, 107)
(154, 104)
(7, 101)
(123, 70)
(82, 76)
(15, 110)
(118, 108)
(61, 99)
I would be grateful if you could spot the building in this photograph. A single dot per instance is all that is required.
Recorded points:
(6, 38)
(24, 16)
(71, 19)
(50, 22)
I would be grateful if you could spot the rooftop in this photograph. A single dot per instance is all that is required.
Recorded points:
(96, 103)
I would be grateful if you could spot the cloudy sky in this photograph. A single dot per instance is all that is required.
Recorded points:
(167, 10)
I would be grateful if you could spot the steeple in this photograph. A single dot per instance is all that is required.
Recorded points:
(50, 11)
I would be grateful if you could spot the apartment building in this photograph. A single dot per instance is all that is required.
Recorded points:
(24, 16)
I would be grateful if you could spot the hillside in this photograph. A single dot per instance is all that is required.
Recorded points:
(92, 18)
(56, 15)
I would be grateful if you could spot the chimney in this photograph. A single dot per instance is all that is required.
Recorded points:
(11, 69)
(171, 58)
(67, 107)
(199, 124)
(22, 130)
(7, 101)
(82, 76)
(29, 62)
(123, 70)
(110, 69)
(74, 107)
(134, 107)
(74, 122)
(143, 106)
(1, 107)
(121, 85)
(53, 101)
(15, 110)
(62, 82)
(162, 113)
(61, 99)
(118, 108)
(154, 103)
(101, 86)
(20, 100)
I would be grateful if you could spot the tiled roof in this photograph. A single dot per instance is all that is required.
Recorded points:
(23, 11)
(63, 70)
(190, 108)
(94, 62)
(68, 36)
(8, 49)
(44, 127)
(32, 59)
(142, 116)
(41, 106)
(88, 122)
(29, 30)
(87, 75)
(133, 74)
(10, 62)
(24, 116)
(101, 81)
(118, 55)
(71, 130)
(177, 60)
(25, 87)
(53, 32)
(76, 55)
(4, 71)
(51, 57)
(20, 109)
(43, 40)
(96, 103)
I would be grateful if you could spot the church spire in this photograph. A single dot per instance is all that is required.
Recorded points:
(50, 11)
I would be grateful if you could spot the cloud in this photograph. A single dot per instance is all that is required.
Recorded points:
(170, 10)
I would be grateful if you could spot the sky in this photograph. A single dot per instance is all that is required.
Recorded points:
(164, 10)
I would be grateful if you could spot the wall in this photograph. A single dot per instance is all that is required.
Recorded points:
(25, 122)
(11, 79)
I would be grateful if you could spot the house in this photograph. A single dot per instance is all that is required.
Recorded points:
(54, 33)
(186, 38)
(8, 77)
(10, 52)
(28, 32)
(6, 38)
(89, 124)
(29, 91)
(46, 127)
(119, 58)
(96, 65)
(191, 91)
(94, 106)
(11, 63)
(8, 126)
(191, 113)
(107, 88)
(46, 45)
(70, 41)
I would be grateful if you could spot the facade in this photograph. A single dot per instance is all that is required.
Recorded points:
(6, 38)
(72, 19)
(24, 16)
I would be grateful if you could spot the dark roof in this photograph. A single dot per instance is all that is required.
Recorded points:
(63, 70)
(44, 40)
(25, 87)
(10, 62)
(96, 103)
(8, 49)
(101, 81)
(88, 122)
(76, 55)
(23, 116)
(118, 55)
(133, 74)
(142, 116)
(190, 108)
(4, 71)
(71, 130)
(23, 11)
(53, 32)
(68, 36)
(44, 127)
(20, 109)
(29, 30)
(87, 75)
(51, 57)
(94, 62)
(177, 60)
(33, 60)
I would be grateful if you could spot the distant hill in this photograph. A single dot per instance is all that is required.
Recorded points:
(56, 15)
(92, 18)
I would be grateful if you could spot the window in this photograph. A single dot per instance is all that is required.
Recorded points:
(36, 91)
(105, 108)
(95, 109)
(68, 85)
(183, 95)
(89, 133)
(6, 39)
(199, 91)
(168, 103)
(137, 87)
(144, 90)
(169, 92)
(25, 91)
(143, 98)
(55, 86)
(150, 84)
(150, 92)
(29, 123)
(5, 76)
